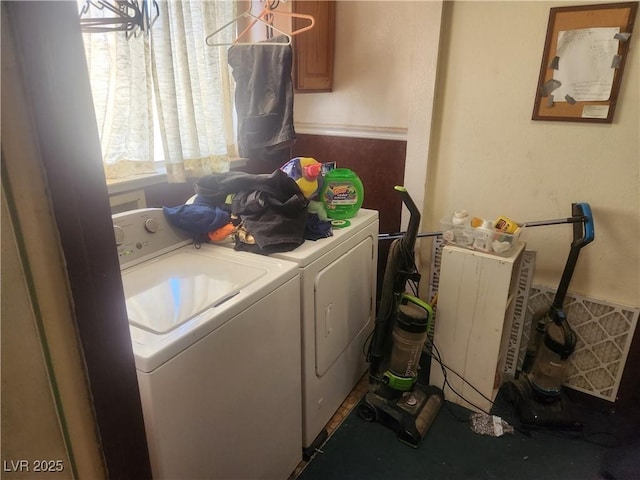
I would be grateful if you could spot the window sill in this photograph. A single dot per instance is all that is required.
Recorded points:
(121, 185)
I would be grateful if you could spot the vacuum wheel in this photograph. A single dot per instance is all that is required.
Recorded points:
(367, 412)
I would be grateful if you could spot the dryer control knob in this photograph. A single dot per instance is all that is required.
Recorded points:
(151, 225)
(118, 232)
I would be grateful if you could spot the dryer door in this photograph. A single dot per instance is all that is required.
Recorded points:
(343, 303)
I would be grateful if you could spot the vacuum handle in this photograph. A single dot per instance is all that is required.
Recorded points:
(414, 219)
(583, 232)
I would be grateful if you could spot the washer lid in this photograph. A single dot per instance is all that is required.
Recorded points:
(165, 293)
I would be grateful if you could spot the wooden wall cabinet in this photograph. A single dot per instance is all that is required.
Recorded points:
(476, 300)
(313, 50)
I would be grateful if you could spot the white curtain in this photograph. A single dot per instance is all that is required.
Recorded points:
(122, 97)
(188, 80)
(193, 88)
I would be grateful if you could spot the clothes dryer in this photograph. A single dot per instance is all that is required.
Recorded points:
(338, 304)
(216, 340)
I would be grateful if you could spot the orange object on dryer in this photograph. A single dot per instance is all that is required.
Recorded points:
(222, 233)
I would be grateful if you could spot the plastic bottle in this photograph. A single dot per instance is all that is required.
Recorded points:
(305, 171)
(308, 183)
(462, 228)
(506, 225)
(461, 217)
(342, 193)
(483, 237)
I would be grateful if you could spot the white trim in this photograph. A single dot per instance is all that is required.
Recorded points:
(353, 131)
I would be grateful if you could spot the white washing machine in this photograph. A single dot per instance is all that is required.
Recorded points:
(338, 302)
(216, 339)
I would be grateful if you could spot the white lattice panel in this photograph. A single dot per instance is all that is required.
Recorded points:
(514, 354)
(604, 332)
(436, 259)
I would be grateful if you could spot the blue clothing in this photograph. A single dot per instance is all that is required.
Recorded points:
(196, 219)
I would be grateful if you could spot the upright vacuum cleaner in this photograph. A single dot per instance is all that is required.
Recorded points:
(537, 395)
(395, 398)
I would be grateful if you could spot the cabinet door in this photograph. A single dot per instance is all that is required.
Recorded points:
(313, 50)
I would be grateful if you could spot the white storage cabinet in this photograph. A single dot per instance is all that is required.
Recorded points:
(473, 320)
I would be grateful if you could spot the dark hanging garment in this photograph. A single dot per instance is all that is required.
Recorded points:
(264, 99)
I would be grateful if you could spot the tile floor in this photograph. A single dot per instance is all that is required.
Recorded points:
(350, 402)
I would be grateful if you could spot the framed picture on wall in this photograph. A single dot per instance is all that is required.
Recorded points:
(583, 60)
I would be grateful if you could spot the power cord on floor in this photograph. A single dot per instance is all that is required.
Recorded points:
(435, 354)
(568, 435)
(589, 438)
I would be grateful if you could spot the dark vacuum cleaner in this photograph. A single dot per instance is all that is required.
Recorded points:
(537, 395)
(395, 398)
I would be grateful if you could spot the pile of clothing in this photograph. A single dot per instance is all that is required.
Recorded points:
(262, 213)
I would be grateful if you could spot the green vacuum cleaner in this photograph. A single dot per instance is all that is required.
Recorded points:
(395, 398)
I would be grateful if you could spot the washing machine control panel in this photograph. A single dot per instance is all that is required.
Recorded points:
(145, 233)
(151, 225)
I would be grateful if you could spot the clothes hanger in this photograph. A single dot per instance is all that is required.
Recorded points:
(255, 20)
(269, 12)
(127, 16)
(266, 17)
(305, 16)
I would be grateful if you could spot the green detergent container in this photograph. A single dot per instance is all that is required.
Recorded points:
(342, 193)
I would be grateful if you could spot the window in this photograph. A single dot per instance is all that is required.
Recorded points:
(160, 93)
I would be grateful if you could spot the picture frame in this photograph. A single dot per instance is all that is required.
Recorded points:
(583, 61)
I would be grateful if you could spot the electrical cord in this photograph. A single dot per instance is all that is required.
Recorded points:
(406, 257)
(615, 443)
(568, 435)
(438, 358)
(413, 285)
(366, 345)
(434, 353)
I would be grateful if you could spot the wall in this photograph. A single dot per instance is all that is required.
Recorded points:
(31, 428)
(377, 119)
(471, 142)
(384, 87)
(484, 151)
(50, 144)
(489, 156)
(47, 410)
(369, 62)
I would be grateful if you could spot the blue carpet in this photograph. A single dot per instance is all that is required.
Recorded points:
(451, 450)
